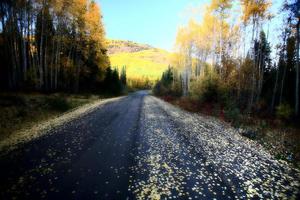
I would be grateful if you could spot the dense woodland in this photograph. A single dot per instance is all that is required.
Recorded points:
(232, 63)
(59, 45)
(55, 45)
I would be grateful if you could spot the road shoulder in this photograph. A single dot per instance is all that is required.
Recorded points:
(44, 127)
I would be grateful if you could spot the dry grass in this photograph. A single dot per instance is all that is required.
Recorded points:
(26, 116)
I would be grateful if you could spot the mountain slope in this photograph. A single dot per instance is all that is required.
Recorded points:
(140, 60)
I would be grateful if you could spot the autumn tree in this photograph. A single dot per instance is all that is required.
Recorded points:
(221, 8)
(184, 42)
(52, 45)
(254, 11)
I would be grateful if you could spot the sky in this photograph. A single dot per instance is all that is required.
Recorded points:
(154, 22)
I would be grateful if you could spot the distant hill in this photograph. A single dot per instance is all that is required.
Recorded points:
(141, 60)
(121, 46)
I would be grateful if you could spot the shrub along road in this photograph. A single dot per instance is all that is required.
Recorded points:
(139, 147)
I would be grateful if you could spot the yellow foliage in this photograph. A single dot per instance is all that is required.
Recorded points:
(220, 7)
(94, 27)
(255, 9)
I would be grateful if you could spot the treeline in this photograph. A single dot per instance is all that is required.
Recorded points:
(214, 65)
(142, 83)
(56, 45)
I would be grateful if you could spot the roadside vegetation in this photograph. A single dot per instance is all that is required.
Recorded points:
(134, 84)
(53, 59)
(20, 111)
(256, 89)
(277, 131)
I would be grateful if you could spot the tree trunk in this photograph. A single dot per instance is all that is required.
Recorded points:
(46, 79)
(261, 73)
(251, 100)
(297, 70)
(52, 60)
(41, 62)
(23, 39)
(274, 91)
(57, 65)
(77, 71)
(282, 83)
(253, 82)
(284, 65)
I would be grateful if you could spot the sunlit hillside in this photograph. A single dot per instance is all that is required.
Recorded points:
(140, 60)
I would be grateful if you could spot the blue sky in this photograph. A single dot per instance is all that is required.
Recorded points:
(154, 22)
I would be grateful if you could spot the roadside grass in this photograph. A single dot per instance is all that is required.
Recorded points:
(282, 140)
(20, 111)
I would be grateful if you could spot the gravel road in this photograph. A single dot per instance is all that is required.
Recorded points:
(139, 147)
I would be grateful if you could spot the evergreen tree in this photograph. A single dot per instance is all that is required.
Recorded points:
(167, 77)
(123, 76)
(262, 59)
(112, 83)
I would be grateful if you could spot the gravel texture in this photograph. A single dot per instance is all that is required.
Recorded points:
(186, 156)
